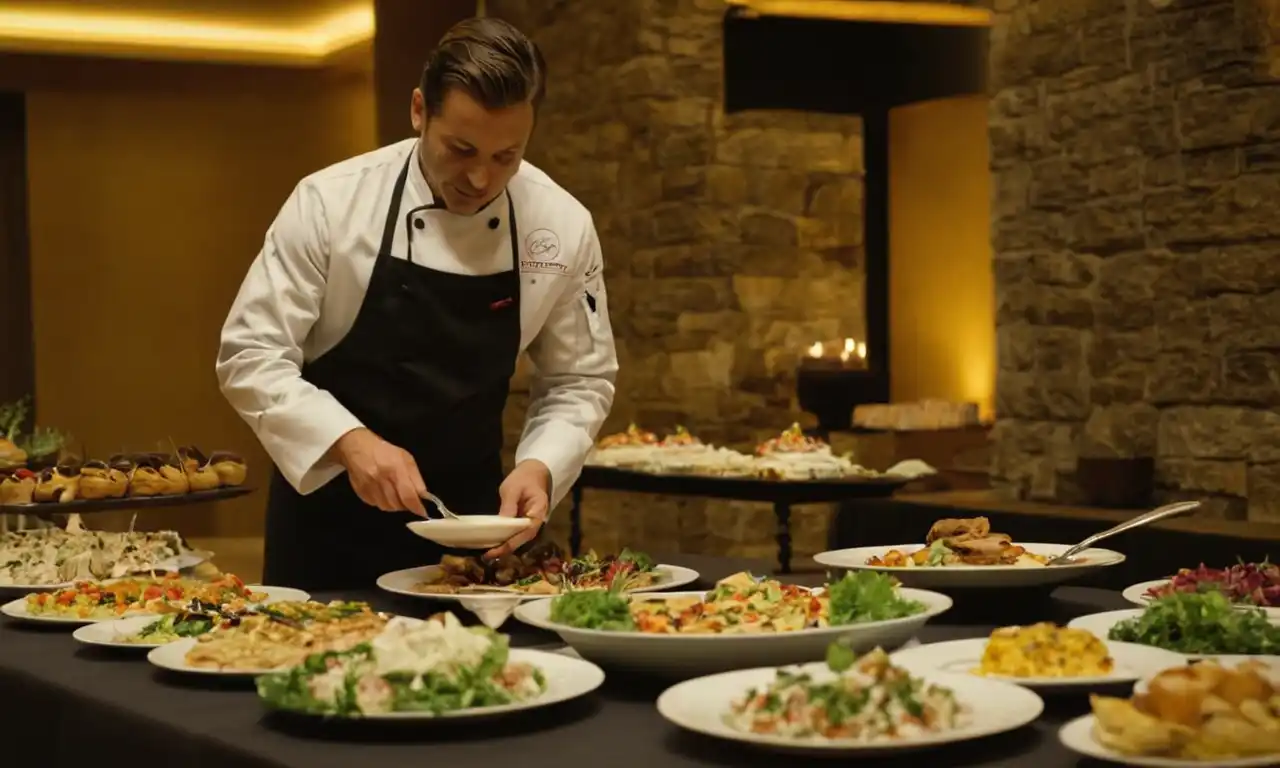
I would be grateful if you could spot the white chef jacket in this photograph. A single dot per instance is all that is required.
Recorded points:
(304, 289)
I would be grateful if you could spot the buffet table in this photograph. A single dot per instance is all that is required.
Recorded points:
(67, 704)
(783, 495)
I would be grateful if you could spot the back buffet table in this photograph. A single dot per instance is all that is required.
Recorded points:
(782, 494)
(66, 705)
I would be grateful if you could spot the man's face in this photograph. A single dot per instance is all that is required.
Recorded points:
(469, 153)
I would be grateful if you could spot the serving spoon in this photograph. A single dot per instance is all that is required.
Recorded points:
(1159, 513)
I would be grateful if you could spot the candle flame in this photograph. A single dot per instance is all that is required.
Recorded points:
(816, 349)
(849, 346)
(862, 350)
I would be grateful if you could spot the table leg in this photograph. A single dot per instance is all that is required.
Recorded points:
(783, 512)
(575, 521)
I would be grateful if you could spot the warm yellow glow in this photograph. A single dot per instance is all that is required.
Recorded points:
(884, 12)
(132, 33)
(816, 349)
(941, 293)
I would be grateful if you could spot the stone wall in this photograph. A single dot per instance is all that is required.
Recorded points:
(1136, 161)
(731, 243)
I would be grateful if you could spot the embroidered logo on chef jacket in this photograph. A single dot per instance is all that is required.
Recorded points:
(542, 253)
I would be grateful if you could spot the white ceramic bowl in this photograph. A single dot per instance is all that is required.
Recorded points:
(470, 531)
(696, 654)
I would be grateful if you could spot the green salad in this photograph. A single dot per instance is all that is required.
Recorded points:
(174, 626)
(432, 667)
(1200, 623)
(739, 604)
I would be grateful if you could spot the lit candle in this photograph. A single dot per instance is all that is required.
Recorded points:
(816, 350)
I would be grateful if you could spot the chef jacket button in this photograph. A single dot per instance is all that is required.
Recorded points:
(493, 223)
(419, 224)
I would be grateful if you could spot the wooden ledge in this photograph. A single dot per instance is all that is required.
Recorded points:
(982, 501)
(887, 12)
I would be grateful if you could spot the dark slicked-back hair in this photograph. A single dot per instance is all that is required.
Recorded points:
(492, 61)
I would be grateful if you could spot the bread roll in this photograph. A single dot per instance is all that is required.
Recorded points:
(18, 487)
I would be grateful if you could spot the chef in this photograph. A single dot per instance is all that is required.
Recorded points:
(378, 329)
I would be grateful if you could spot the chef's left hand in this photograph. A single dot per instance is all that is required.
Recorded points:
(525, 493)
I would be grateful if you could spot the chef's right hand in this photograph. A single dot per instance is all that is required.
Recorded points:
(383, 475)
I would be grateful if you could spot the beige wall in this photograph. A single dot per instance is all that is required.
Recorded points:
(151, 186)
(941, 296)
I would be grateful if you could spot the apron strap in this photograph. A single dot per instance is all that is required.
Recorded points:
(393, 210)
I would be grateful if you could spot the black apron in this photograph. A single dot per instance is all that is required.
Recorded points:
(426, 366)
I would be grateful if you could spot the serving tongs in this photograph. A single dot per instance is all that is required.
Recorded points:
(1159, 513)
(445, 512)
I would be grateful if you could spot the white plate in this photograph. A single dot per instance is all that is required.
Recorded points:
(697, 705)
(494, 608)
(470, 531)
(1077, 736)
(567, 678)
(112, 634)
(1100, 624)
(1132, 662)
(173, 657)
(704, 654)
(280, 594)
(968, 576)
(403, 582)
(17, 609)
(1137, 594)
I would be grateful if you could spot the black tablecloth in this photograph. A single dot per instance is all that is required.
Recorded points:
(66, 704)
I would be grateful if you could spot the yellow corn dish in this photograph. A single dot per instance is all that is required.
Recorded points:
(1045, 650)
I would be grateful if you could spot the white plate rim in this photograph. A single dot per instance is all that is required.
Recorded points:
(593, 675)
(1077, 736)
(1136, 594)
(17, 610)
(681, 576)
(1033, 708)
(1093, 622)
(935, 604)
(85, 633)
(838, 558)
(917, 658)
(159, 656)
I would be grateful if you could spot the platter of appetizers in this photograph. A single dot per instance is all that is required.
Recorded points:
(791, 456)
(267, 641)
(125, 480)
(541, 572)
(1044, 657)
(743, 621)
(1195, 624)
(88, 602)
(858, 704)
(427, 670)
(966, 553)
(53, 558)
(197, 619)
(1199, 714)
(1248, 585)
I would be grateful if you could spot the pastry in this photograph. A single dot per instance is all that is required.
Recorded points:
(145, 479)
(11, 456)
(17, 487)
(176, 480)
(57, 484)
(99, 480)
(200, 472)
(231, 468)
